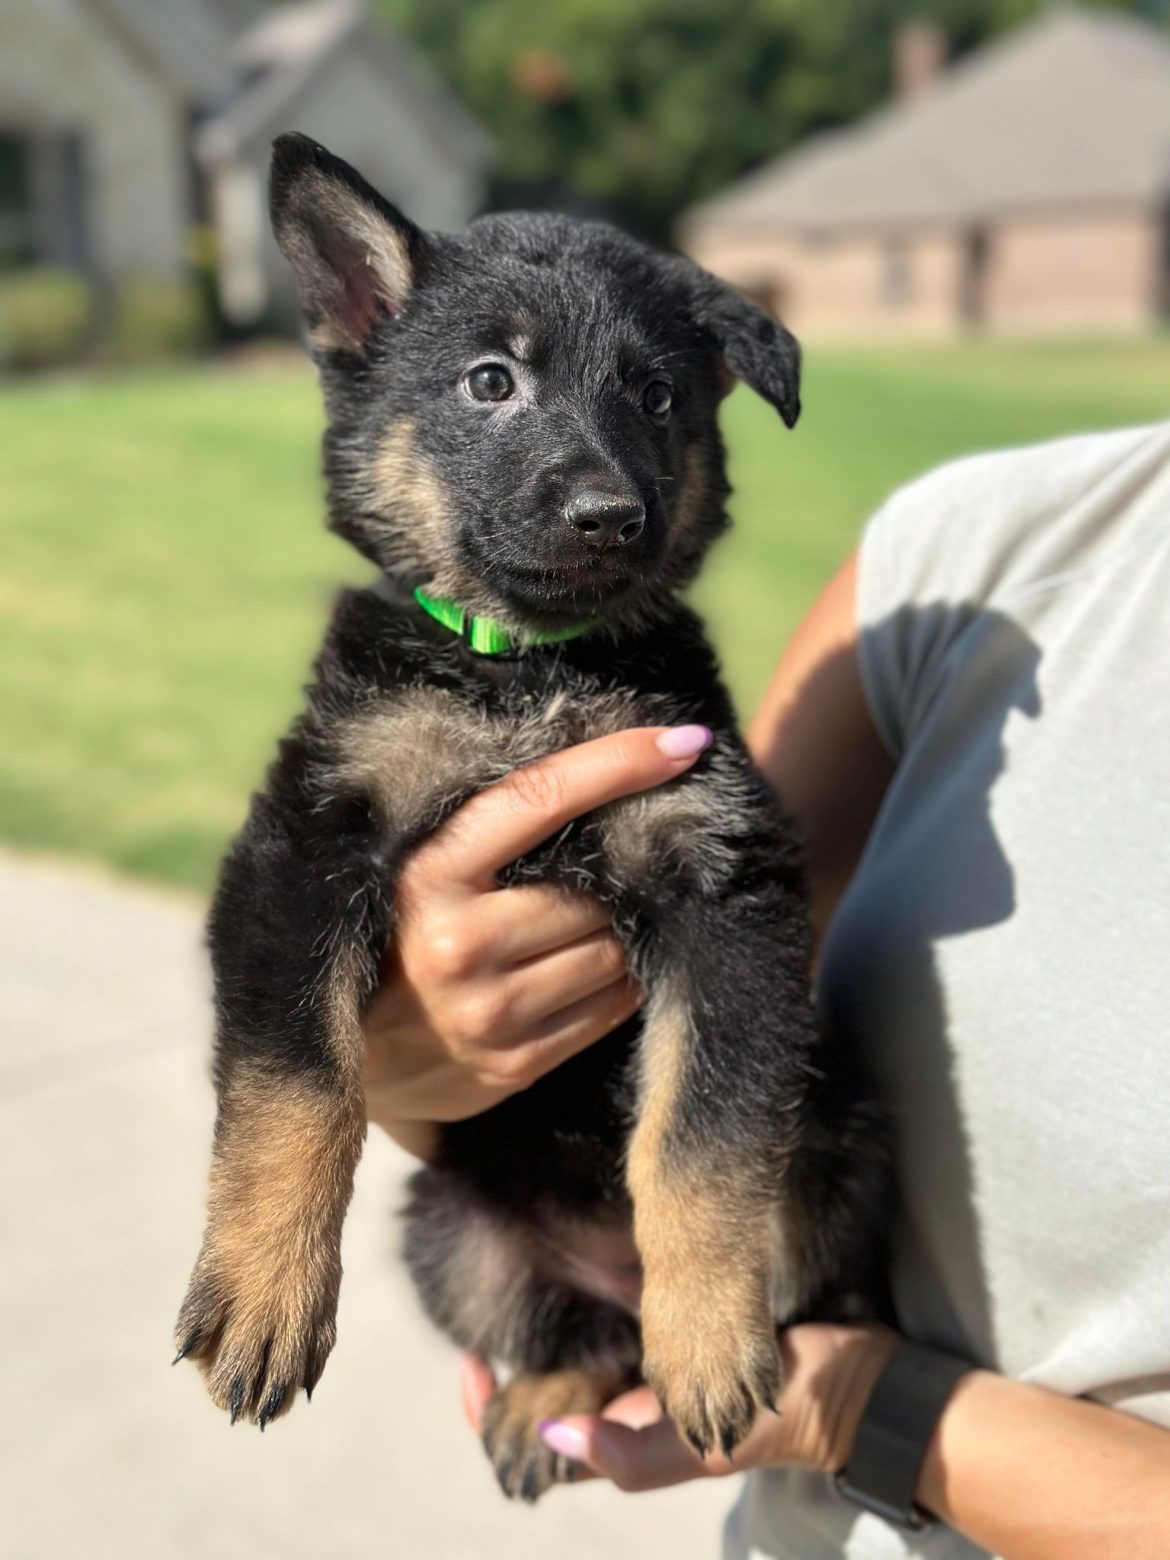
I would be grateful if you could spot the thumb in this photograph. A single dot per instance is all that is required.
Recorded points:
(647, 1458)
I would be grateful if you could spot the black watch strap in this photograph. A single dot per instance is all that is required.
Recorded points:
(895, 1429)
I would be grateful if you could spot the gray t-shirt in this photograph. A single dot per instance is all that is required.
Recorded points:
(1004, 948)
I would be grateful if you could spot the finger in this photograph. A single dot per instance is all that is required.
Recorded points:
(553, 982)
(637, 1408)
(476, 1386)
(651, 1458)
(520, 923)
(556, 1039)
(517, 813)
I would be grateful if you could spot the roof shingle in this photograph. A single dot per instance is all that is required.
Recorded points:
(1073, 109)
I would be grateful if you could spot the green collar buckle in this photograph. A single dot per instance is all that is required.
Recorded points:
(484, 636)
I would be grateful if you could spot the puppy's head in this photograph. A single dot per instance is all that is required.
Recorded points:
(522, 416)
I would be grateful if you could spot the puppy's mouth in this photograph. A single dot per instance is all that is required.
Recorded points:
(588, 584)
(580, 583)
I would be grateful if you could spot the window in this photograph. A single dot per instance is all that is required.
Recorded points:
(16, 206)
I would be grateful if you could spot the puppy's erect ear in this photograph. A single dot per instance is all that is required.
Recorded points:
(356, 258)
(755, 347)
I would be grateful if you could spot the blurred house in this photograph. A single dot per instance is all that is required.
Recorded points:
(128, 125)
(1026, 189)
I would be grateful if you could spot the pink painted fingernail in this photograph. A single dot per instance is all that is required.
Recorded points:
(684, 741)
(562, 1438)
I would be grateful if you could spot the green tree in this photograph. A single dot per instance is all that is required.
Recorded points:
(637, 108)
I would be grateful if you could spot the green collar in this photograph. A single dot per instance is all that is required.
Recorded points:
(484, 636)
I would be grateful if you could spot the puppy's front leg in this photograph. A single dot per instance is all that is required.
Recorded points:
(259, 1314)
(292, 968)
(723, 1073)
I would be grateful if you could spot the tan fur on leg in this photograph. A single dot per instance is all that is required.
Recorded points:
(709, 1345)
(524, 1466)
(259, 1316)
(259, 1313)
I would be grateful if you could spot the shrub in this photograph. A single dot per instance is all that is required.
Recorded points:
(45, 317)
(156, 318)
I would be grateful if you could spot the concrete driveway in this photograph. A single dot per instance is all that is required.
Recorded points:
(106, 1452)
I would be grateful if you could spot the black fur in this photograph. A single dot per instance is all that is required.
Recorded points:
(470, 498)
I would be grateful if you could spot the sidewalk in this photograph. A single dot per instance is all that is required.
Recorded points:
(108, 1454)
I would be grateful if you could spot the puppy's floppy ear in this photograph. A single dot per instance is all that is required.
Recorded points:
(755, 347)
(356, 258)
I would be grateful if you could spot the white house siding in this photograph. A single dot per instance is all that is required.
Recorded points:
(63, 69)
(347, 107)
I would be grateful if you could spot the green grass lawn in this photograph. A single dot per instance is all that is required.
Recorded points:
(164, 575)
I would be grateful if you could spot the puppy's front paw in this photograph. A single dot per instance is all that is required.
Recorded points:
(259, 1329)
(711, 1356)
(524, 1465)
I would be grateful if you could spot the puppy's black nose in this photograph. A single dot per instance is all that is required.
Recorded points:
(606, 518)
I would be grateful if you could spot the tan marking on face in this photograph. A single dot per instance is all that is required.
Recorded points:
(709, 1345)
(407, 489)
(692, 500)
(521, 332)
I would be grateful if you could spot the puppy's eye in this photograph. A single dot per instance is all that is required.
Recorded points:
(656, 398)
(490, 382)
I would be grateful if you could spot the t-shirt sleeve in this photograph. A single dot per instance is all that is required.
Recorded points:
(917, 587)
(987, 532)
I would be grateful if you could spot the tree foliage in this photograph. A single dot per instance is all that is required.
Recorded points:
(640, 107)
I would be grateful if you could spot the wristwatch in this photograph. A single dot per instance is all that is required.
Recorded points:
(899, 1419)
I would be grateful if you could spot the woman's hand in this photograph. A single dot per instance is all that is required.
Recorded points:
(486, 988)
(829, 1372)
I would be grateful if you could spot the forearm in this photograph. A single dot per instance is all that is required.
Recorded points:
(1031, 1475)
(814, 739)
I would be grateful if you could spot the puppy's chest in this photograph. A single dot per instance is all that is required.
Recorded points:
(422, 751)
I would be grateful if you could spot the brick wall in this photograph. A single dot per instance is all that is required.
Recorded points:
(1037, 274)
(1096, 272)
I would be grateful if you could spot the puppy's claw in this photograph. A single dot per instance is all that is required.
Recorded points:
(503, 1471)
(188, 1343)
(714, 1409)
(255, 1359)
(313, 1374)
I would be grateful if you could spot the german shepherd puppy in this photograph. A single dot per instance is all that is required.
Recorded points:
(522, 425)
